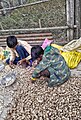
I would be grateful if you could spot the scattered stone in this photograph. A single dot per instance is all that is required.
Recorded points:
(25, 101)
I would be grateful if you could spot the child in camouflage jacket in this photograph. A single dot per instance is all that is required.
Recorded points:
(50, 64)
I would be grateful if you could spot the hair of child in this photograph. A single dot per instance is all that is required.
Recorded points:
(36, 51)
(11, 41)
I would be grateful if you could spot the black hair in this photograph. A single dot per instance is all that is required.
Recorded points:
(11, 41)
(36, 51)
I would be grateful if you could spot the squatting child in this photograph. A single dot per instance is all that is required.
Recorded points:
(20, 51)
(51, 64)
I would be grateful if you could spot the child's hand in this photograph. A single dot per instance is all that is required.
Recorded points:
(33, 79)
(21, 61)
(28, 62)
(11, 62)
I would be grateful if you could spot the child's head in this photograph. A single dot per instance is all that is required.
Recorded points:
(11, 41)
(37, 52)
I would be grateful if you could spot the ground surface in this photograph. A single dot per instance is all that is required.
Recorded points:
(26, 101)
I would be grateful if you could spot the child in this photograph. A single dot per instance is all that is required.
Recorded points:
(20, 51)
(50, 64)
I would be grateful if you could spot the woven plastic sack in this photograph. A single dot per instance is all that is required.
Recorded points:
(72, 58)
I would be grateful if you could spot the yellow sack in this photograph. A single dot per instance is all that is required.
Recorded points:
(72, 58)
(1, 53)
(2, 57)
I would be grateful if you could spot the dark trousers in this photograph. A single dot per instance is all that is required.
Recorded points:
(22, 54)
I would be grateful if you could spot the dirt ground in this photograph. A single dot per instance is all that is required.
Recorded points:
(39, 102)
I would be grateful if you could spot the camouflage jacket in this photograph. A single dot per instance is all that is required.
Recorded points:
(56, 65)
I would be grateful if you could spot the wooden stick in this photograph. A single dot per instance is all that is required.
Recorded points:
(67, 17)
(77, 18)
(24, 5)
(40, 23)
(37, 29)
(70, 18)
